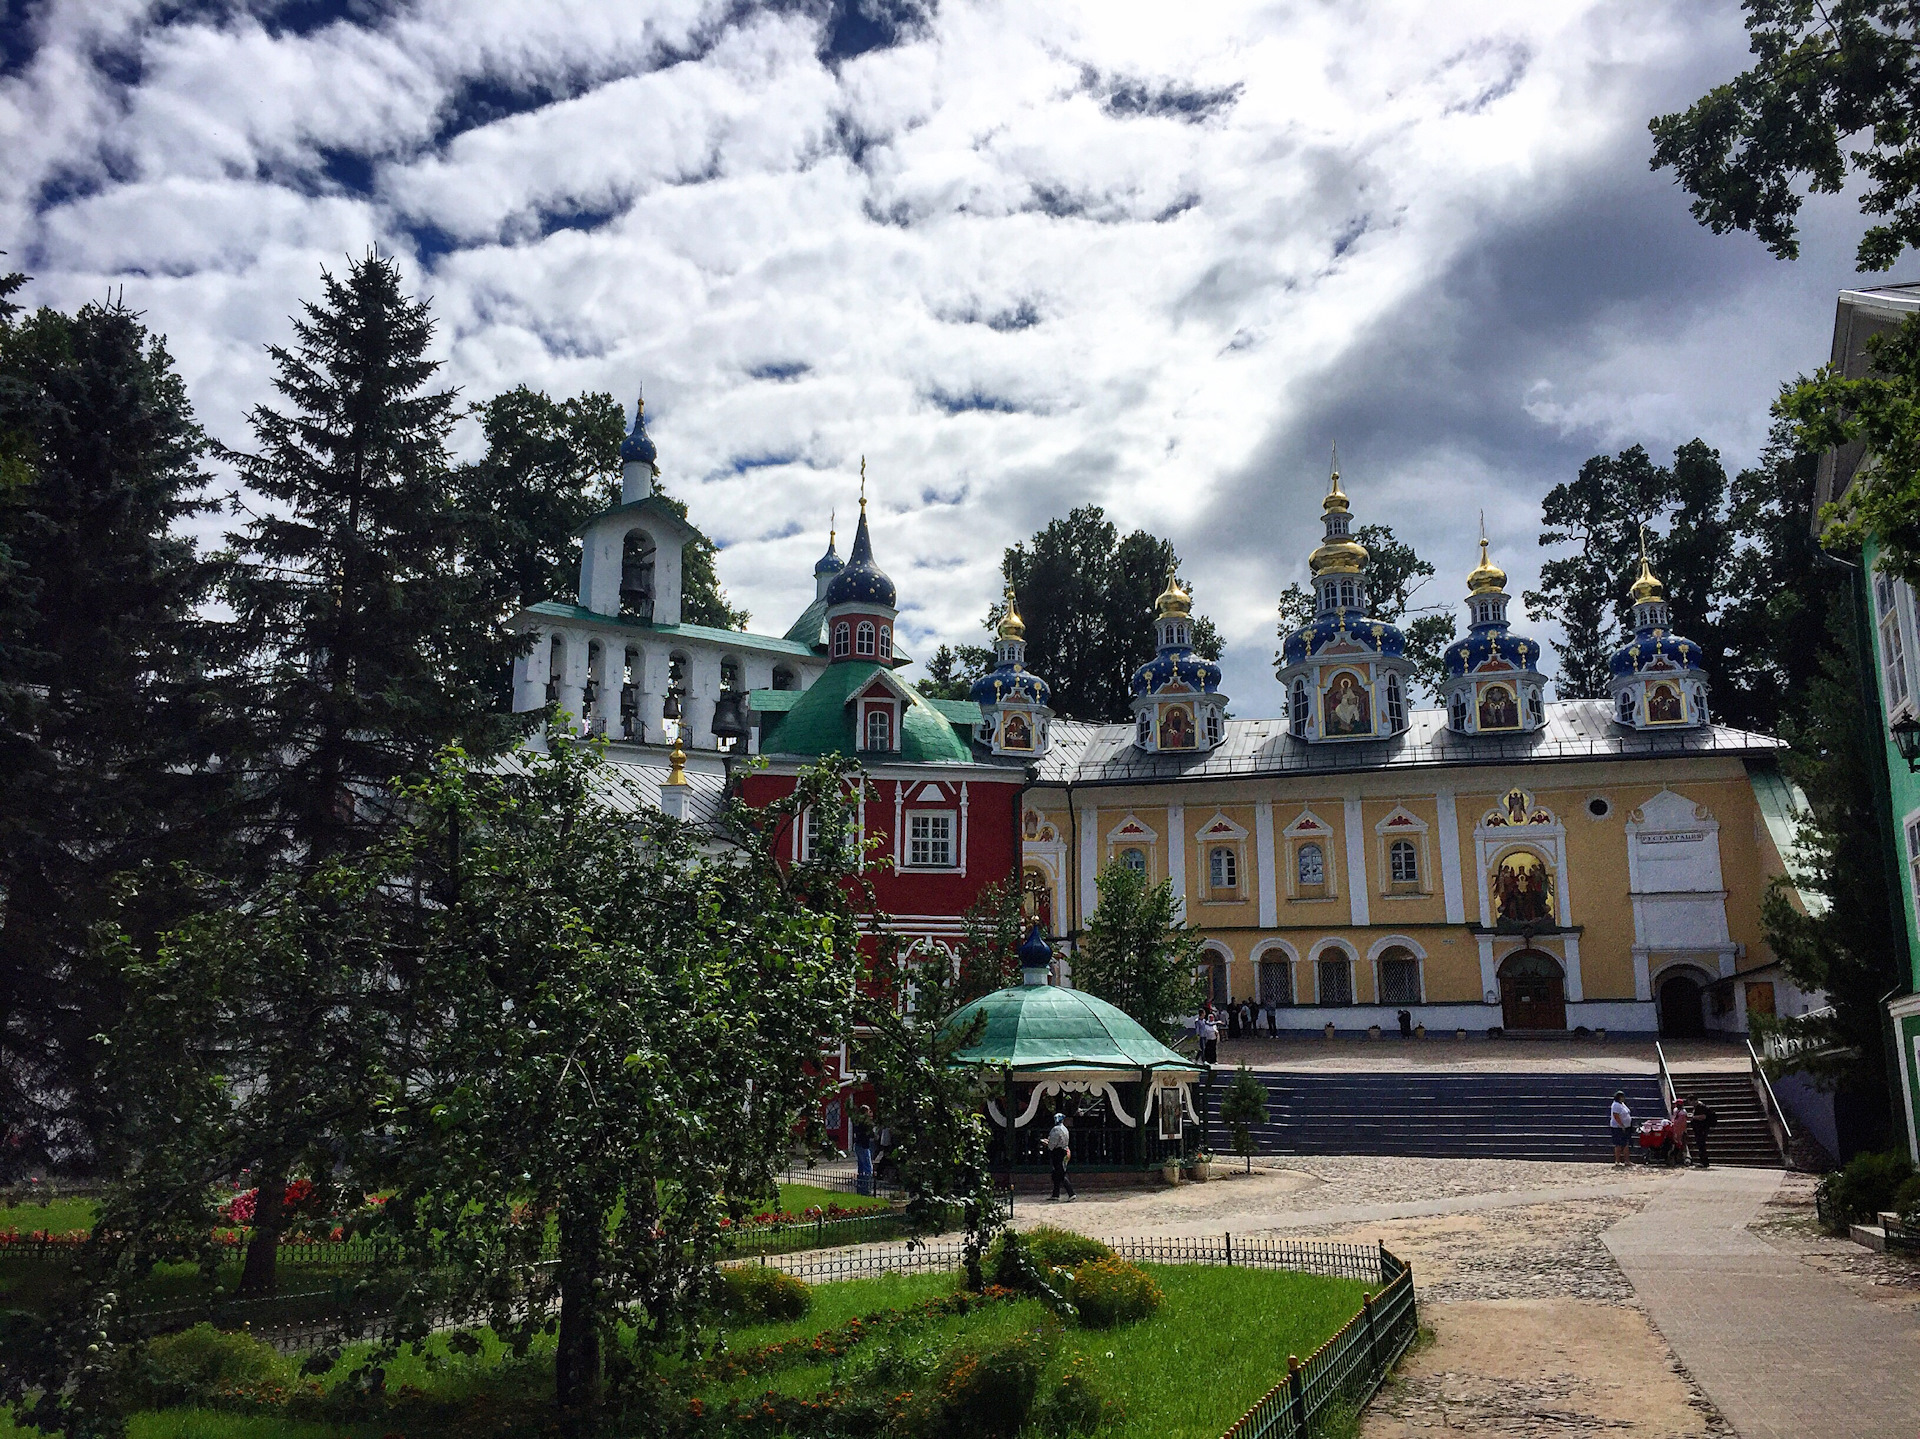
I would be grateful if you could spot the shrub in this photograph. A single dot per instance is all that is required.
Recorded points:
(1076, 1407)
(1112, 1291)
(761, 1294)
(1062, 1248)
(1869, 1182)
(190, 1366)
(1906, 1202)
(982, 1394)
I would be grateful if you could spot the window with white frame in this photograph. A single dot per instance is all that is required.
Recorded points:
(809, 835)
(1399, 977)
(1623, 706)
(1223, 869)
(1913, 856)
(886, 642)
(1302, 707)
(1213, 727)
(1143, 729)
(1336, 978)
(1134, 859)
(1276, 980)
(879, 728)
(1403, 862)
(1396, 705)
(1312, 868)
(842, 645)
(1893, 649)
(863, 638)
(1457, 711)
(930, 841)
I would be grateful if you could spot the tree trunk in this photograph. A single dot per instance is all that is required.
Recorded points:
(261, 1273)
(576, 1360)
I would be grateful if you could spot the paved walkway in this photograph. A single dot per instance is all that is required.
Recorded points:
(1784, 1351)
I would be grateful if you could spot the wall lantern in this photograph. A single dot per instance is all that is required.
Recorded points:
(1906, 738)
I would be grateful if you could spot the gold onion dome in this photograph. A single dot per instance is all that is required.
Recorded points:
(1341, 556)
(1487, 578)
(1646, 587)
(1012, 627)
(1174, 602)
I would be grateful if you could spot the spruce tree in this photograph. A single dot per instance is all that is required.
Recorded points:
(1139, 955)
(367, 635)
(108, 720)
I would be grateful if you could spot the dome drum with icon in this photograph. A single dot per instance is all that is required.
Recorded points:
(1015, 716)
(1657, 680)
(1177, 704)
(1493, 680)
(1345, 674)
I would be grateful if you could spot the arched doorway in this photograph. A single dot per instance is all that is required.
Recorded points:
(1682, 1010)
(1533, 991)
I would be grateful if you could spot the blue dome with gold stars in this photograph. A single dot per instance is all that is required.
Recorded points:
(1176, 663)
(637, 445)
(860, 580)
(1654, 645)
(830, 563)
(1342, 628)
(1008, 682)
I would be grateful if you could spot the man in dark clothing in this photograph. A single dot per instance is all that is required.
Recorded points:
(1701, 1120)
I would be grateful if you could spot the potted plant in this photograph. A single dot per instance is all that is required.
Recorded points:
(1329, 1029)
(1419, 1031)
(1170, 1169)
(1373, 1031)
(1201, 1169)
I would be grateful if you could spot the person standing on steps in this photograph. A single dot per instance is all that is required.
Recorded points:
(1059, 1151)
(1620, 1121)
(1703, 1121)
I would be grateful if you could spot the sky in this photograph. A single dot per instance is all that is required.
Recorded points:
(1020, 257)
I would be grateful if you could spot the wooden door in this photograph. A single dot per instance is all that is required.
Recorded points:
(1530, 1001)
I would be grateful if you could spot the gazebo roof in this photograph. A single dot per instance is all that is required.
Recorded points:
(1046, 1031)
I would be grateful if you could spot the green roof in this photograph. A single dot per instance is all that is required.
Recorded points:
(739, 639)
(771, 702)
(811, 629)
(1781, 805)
(1048, 1029)
(820, 722)
(960, 712)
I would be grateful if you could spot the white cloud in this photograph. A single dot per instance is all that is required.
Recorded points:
(1030, 257)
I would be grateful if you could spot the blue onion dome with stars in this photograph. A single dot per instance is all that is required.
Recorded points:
(1176, 662)
(860, 581)
(1340, 618)
(1010, 679)
(830, 563)
(638, 445)
(1654, 646)
(1489, 642)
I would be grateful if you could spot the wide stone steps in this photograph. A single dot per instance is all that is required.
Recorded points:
(1503, 1116)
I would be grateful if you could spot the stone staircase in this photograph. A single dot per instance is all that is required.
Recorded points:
(1491, 1116)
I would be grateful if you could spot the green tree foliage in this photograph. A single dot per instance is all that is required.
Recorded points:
(1087, 593)
(1139, 954)
(953, 669)
(110, 723)
(364, 637)
(988, 956)
(1832, 90)
(1242, 1107)
(1395, 577)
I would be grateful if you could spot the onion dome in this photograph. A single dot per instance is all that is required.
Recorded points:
(1173, 602)
(1010, 679)
(1646, 588)
(1176, 663)
(1012, 627)
(1339, 553)
(1489, 644)
(830, 563)
(1658, 679)
(1486, 578)
(638, 446)
(860, 580)
(1036, 957)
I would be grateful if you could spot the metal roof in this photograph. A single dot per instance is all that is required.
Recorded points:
(629, 783)
(1082, 753)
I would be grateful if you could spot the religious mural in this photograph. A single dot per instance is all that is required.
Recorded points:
(1664, 705)
(1497, 707)
(1017, 733)
(1176, 727)
(1522, 890)
(1346, 707)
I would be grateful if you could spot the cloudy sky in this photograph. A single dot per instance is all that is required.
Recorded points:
(1021, 256)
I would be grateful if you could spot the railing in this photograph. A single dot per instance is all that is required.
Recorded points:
(1763, 1091)
(1667, 1094)
(817, 1233)
(842, 1183)
(1777, 1047)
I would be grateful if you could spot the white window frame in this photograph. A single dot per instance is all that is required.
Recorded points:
(1457, 708)
(1300, 709)
(842, 640)
(1894, 647)
(1132, 849)
(863, 639)
(1299, 860)
(886, 642)
(1214, 727)
(1223, 869)
(806, 841)
(1910, 827)
(924, 832)
(884, 713)
(1396, 703)
(1396, 847)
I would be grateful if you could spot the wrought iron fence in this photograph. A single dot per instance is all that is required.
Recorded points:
(819, 1233)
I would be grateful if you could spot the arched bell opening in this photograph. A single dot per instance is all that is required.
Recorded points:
(636, 576)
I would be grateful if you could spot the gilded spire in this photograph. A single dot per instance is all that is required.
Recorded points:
(1339, 553)
(1487, 578)
(1012, 627)
(677, 760)
(1647, 588)
(1174, 602)
(863, 484)
(1336, 497)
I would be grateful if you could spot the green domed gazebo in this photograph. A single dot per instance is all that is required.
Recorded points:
(1130, 1095)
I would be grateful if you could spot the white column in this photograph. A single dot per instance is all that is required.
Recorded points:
(1177, 852)
(1089, 863)
(1263, 862)
(1576, 991)
(573, 679)
(1356, 862)
(613, 675)
(963, 836)
(1451, 887)
(703, 687)
(530, 674)
(1489, 971)
(652, 722)
(899, 824)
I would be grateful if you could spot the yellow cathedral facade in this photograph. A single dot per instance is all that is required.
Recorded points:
(1502, 861)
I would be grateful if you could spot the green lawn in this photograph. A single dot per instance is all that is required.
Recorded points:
(798, 1198)
(62, 1216)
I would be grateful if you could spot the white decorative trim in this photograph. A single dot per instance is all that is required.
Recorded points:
(1115, 836)
(1219, 827)
(1382, 945)
(1177, 853)
(1308, 825)
(1401, 820)
(1263, 860)
(1266, 946)
(1089, 864)
(1450, 884)
(1356, 863)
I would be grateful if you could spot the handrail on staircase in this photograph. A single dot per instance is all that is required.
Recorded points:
(1667, 1095)
(1763, 1089)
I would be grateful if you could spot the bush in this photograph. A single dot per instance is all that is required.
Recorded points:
(189, 1367)
(761, 1294)
(1111, 1291)
(1076, 1407)
(983, 1394)
(1906, 1202)
(1868, 1184)
(1062, 1248)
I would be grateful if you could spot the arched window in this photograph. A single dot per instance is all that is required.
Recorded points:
(1534, 716)
(1213, 727)
(1223, 868)
(1134, 859)
(1396, 705)
(1457, 712)
(1623, 706)
(1217, 988)
(1302, 707)
(1335, 974)
(783, 678)
(879, 729)
(1311, 864)
(1399, 977)
(886, 642)
(1143, 731)
(842, 641)
(863, 638)
(556, 667)
(1403, 862)
(1276, 980)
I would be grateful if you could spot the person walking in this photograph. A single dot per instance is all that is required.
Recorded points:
(1059, 1151)
(1703, 1121)
(863, 1150)
(1208, 1033)
(1620, 1121)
